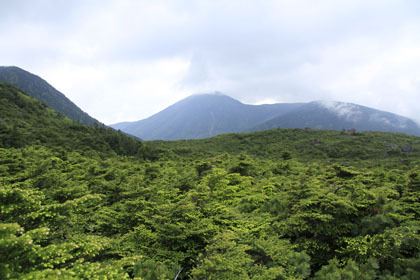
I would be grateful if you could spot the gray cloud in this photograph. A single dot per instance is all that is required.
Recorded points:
(124, 60)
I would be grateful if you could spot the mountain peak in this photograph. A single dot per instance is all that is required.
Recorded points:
(201, 116)
(210, 94)
(11, 67)
(210, 99)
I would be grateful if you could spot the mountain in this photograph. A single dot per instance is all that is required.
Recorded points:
(206, 115)
(41, 90)
(25, 121)
(334, 115)
(203, 116)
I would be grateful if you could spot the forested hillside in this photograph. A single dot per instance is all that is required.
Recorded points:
(41, 90)
(27, 121)
(90, 203)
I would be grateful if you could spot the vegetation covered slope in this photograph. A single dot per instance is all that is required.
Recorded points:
(41, 90)
(321, 146)
(280, 204)
(27, 121)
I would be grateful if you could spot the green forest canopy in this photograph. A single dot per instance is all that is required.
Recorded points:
(82, 202)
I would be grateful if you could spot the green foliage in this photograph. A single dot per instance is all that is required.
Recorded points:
(224, 258)
(87, 203)
(151, 270)
(286, 155)
(347, 271)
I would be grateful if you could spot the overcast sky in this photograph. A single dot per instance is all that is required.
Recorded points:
(126, 60)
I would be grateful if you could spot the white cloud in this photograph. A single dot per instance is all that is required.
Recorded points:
(124, 60)
(348, 111)
(138, 89)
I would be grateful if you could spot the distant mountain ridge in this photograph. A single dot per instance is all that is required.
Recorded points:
(333, 115)
(207, 115)
(210, 114)
(43, 91)
(202, 116)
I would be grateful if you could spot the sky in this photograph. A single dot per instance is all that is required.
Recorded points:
(125, 60)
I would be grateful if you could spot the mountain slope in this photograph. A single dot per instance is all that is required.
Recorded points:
(333, 115)
(207, 115)
(41, 90)
(25, 120)
(202, 116)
